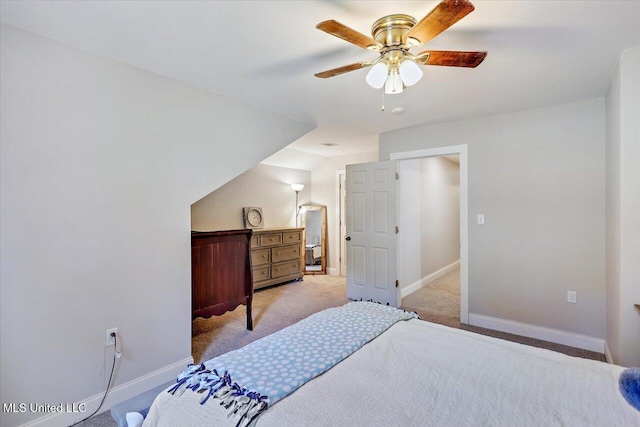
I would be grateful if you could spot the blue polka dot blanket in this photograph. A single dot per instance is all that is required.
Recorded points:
(248, 380)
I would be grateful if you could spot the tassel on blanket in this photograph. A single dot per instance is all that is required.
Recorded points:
(239, 402)
(378, 302)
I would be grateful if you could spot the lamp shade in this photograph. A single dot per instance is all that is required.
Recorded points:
(393, 84)
(377, 75)
(410, 72)
(297, 187)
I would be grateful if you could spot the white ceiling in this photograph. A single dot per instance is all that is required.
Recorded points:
(266, 52)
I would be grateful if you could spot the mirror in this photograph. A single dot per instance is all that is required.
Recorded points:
(314, 221)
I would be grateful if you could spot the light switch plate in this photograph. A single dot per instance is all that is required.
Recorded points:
(572, 297)
(481, 219)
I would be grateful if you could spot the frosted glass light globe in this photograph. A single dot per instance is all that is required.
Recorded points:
(410, 72)
(377, 75)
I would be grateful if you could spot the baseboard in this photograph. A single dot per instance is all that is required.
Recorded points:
(332, 271)
(538, 332)
(117, 395)
(428, 279)
(607, 353)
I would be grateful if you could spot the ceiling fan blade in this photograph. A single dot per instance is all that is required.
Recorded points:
(451, 58)
(342, 70)
(447, 13)
(349, 34)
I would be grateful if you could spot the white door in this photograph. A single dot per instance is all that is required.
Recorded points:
(371, 232)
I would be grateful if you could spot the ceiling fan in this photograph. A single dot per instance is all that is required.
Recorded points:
(393, 36)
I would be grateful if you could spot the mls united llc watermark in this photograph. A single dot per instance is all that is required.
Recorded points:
(45, 408)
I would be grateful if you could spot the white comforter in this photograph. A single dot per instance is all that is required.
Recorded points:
(422, 374)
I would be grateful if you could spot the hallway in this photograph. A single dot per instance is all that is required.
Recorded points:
(439, 301)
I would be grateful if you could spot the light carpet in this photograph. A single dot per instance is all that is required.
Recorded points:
(438, 301)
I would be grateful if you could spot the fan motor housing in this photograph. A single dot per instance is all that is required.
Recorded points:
(390, 29)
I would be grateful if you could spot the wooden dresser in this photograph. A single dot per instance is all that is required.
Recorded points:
(276, 255)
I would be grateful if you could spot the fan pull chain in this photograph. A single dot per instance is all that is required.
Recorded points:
(382, 101)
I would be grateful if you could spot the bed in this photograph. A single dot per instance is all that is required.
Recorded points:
(413, 373)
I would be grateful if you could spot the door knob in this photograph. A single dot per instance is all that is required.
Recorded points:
(347, 238)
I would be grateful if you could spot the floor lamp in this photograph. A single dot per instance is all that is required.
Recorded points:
(297, 188)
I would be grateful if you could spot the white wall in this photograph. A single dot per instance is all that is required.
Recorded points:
(268, 187)
(538, 176)
(613, 216)
(100, 162)
(623, 210)
(323, 192)
(440, 218)
(409, 249)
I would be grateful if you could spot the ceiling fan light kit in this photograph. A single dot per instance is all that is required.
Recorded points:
(393, 37)
(394, 77)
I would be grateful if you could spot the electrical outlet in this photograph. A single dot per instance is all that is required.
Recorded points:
(109, 340)
(572, 297)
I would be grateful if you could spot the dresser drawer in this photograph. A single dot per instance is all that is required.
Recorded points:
(285, 253)
(285, 268)
(261, 273)
(276, 256)
(270, 239)
(260, 256)
(291, 237)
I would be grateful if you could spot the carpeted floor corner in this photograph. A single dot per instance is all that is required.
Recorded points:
(101, 420)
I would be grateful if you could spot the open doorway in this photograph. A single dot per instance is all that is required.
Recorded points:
(463, 208)
(390, 215)
(428, 211)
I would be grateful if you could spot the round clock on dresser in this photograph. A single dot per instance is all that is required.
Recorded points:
(253, 217)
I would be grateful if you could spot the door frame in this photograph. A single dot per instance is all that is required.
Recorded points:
(339, 270)
(342, 228)
(461, 150)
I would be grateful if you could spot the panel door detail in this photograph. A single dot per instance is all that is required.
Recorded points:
(371, 237)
